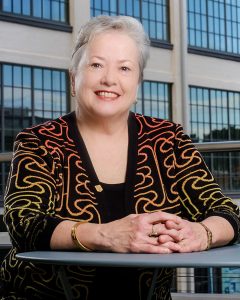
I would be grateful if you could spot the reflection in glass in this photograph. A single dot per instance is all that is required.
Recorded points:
(219, 23)
(221, 109)
(38, 78)
(154, 15)
(7, 78)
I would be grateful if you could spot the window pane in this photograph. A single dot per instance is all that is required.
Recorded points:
(55, 10)
(154, 15)
(153, 99)
(214, 27)
(26, 8)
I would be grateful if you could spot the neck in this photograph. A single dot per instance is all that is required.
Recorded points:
(104, 126)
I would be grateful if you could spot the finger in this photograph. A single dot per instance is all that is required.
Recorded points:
(172, 246)
(160, 216)
(173, 233)
(173, 225)
(164, 238)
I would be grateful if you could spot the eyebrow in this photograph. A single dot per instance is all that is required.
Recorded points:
(120, 61)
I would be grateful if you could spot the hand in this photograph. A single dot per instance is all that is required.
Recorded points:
(131, 234)
(190, 236)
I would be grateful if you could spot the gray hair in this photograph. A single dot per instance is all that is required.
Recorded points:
(101, 24)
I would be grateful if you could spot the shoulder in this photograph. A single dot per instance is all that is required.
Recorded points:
(56, 129)
(151, 124)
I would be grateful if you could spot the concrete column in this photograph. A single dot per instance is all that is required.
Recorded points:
(178, 21)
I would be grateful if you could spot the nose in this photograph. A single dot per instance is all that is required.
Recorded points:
(109, 77)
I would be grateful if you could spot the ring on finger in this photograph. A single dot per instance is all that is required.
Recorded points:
(153, 233)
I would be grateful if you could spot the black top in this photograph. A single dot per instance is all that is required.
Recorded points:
(115, 277)
(114, 199)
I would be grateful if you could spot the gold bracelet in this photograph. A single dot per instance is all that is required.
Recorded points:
(209, 236)
(76, 240)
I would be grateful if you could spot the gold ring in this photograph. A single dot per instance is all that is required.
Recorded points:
(153, 232)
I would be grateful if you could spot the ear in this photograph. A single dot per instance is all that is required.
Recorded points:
(72, 81)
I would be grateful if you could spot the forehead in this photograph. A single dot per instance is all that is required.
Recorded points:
(113, 43)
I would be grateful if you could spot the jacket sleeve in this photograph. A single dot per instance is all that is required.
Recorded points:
(30, 195)
(200, 195)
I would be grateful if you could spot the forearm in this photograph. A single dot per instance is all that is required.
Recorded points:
(87, 233)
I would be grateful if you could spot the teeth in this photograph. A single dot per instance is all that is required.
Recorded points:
(107, 94)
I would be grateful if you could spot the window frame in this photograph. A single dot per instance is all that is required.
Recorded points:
(39, 22)
(166, 44)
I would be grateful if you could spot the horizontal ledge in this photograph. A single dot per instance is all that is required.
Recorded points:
(218, 146)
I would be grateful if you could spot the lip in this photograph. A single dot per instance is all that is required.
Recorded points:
(106, 94)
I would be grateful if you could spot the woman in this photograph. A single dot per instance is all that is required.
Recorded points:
(105, 179)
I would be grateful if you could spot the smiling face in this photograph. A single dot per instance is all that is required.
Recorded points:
(106, 81)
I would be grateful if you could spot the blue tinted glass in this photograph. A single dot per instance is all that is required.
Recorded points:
(210, 7)
(63, 17)
(64, 102)
(17, 76)
(56, 80)
(63, 81)
(47, 80)
(152, 30)
(129, 8)
(48, 100)
(96, 4)
(26, 7)
(154, 93)
(105, 5)
(55, 10)
(27, 77)
(38, 100)
(17, 6)
(46, 9)
(17, 97)
(203, 7)
(191, 5)
(136, 8)
(222, 11)
(56, 101)
(152, 11)
(7, 5)
(27, 103)
(122, 7)
(160, 30)
(37, 8)
(146, 90)
(145, 10)
(7, 75)
(37, 78)
(7, 97)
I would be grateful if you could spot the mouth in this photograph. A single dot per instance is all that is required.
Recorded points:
(107, 95)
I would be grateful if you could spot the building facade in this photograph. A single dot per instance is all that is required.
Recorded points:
(192, 76)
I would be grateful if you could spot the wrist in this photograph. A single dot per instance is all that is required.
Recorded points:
(209, 236)
(75, 238)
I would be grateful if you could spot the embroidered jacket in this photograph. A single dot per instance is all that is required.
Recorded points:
(52, 179)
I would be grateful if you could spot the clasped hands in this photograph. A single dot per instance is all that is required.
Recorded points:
(156, 232)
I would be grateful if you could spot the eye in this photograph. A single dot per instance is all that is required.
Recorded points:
(96, 65)
(124, 68)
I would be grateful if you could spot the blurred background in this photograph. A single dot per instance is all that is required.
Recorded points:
(192, 78)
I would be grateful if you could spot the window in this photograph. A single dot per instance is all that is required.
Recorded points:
(225, 167)
(154, 99)
(154, 14)
(29, 95)
(215, 116)
(49, 10)
(214, 25)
